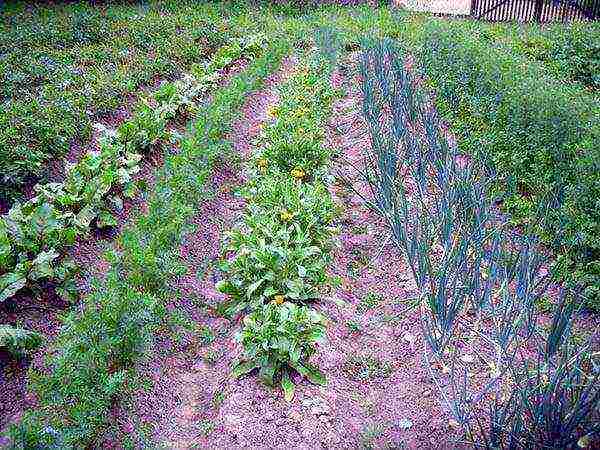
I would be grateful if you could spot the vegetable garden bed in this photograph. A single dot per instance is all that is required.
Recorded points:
(317, 259)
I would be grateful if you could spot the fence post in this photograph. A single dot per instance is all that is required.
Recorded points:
(537, 15)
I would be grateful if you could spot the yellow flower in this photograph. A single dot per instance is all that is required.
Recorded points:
(279, 299)
(286, 216)
(262, 162)
(298, 173)
(272, 111)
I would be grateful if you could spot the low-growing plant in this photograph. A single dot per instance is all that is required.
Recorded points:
(293, 141)
(306, 205)
(367, 367)
(569, 50)
(145, 130)
(273, 260)
(283, 246)
(278, 338)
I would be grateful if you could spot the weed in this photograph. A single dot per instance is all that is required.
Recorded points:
(212, 356)
(205, 427)
(206, 335)
(371, 301)
(353, 326)
(218, 398)
(370, 434)
(367, 367)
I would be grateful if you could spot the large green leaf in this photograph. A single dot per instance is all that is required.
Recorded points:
(85, 217)
(242, 368)
(311, 372)
(10, 284)
(17, 340)
(42, 265)
(106, 219)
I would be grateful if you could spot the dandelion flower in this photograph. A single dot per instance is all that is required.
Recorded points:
(278, 299)
(262, 163)
(298, 173)
(272, 111)
(286, 216)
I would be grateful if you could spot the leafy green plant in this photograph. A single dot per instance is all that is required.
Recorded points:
(18, 340)
(293, 141)
(145, 130)
(278, 338)
(272, 260)
(283, 246)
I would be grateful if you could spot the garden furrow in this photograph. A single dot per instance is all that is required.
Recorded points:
(178, 407)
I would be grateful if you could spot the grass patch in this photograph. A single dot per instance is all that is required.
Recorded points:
(367, 368)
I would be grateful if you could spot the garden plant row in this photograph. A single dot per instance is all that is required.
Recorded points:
(94, 355)
(470, 270)
(539, 134)
(64, 66)
(35, 234)
(280, 251)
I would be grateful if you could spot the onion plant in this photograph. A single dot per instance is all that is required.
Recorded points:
(508, 375)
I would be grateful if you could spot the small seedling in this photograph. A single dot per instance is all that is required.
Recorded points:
(371, 301)
(353, 326)
(366, 367)
(207, 336)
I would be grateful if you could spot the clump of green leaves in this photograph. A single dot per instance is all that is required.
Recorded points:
(283, 246)
(18, 340)
(277, 338)
(293, 141)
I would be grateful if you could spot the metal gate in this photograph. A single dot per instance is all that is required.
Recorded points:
(535, 10)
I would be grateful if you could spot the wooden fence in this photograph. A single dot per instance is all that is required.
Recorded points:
(535, 10)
